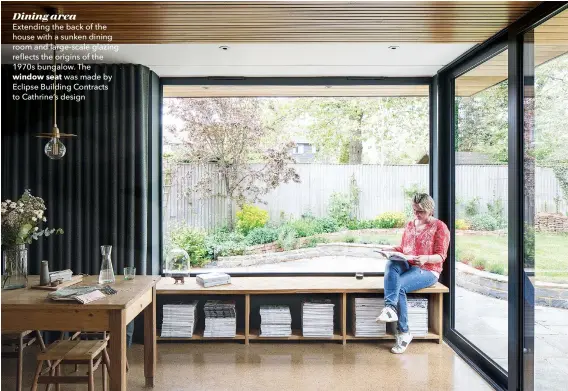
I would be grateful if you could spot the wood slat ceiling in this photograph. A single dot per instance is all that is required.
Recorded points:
(551, 41)
(203, 91)
(274, 21)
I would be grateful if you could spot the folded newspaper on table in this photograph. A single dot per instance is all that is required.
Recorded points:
(213, 279)
(82, 294)
(395, 256)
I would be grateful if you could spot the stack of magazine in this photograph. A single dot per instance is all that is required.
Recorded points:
(220, 319)
(213, 279)
(317, 318)
(63, 275)
(365, 311)
(275, 321)
(418, 315)
(179, 320)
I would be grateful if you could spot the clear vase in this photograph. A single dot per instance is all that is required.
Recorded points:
(15, 265)
(106, 276)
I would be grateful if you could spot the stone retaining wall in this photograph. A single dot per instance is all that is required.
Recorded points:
(494, 285)
(321, 250)
(551, 222)
(273, 247)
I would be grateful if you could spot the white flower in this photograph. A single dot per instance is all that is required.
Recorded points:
(8, 201)
(20, 204)
(34, 218)
(13, 206)
(44, 219)
(21, 210)
(36, 228)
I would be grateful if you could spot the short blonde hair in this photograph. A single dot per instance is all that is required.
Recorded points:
(424, 201)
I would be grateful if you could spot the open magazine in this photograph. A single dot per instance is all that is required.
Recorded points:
(395, 256)
(82, 294)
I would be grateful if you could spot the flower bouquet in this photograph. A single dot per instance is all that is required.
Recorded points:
(20, 226)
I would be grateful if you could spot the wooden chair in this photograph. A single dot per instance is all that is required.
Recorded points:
(19, 341)
(97, 335)
(92, 353)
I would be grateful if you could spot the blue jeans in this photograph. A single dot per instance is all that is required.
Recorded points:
(400, 279)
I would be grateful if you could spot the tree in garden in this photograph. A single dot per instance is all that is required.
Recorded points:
(396, 128)
(228, 133)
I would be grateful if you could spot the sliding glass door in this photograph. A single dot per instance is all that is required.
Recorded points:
(480, 220)
(502, 127)
(545, 196)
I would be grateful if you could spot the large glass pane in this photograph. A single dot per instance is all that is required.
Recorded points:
(250, 177)
(481, 176)
(546, 204)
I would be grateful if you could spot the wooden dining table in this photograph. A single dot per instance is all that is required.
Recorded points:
(31, 309)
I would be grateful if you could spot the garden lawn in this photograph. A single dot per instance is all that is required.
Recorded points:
(551, 262)
(491, 252)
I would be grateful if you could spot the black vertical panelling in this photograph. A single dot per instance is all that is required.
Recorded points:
(99, 192)
(154, 178)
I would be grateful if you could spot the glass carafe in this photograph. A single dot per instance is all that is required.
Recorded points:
(106, 276)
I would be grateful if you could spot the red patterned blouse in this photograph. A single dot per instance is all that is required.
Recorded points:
(433, 239)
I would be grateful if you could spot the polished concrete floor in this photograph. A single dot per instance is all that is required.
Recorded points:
(293, 366)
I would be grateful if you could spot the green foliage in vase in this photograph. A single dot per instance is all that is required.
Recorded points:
(21, 220)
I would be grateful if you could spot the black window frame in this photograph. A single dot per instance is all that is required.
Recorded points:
(291, 81)
(520, 325)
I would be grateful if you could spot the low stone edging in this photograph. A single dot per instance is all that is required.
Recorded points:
(273, 247)
(321, 250)
(495, 285)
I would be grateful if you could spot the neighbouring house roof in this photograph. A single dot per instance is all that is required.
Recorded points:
(473, 158)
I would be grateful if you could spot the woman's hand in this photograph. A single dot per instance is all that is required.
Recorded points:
(421, 259)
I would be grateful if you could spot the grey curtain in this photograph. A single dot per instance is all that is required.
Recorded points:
(105, 190)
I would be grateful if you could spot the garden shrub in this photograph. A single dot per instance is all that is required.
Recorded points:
(497, 268)
(462, 224)
(287, 237)
(305, 227)
(192, 241)
(350, 239)
(251, 217)
(312, 242)
(326, 225)
(353, 225)
(496, 209)
(472, 207)
(225, 244)
(312, 226)
(341, 208)
(484, 222)
(479, 264)
(262, 236)
(391, 220)
(363, 224)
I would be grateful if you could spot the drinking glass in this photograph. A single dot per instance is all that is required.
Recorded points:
(129, 273)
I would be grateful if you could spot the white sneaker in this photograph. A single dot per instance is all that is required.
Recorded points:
(402, 342)
(387, 315)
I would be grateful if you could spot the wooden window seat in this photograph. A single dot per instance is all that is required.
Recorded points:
(340, 289)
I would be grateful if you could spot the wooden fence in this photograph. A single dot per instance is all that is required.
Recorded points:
(381, 189)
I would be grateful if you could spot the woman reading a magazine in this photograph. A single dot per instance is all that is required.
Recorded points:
(417, 265)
